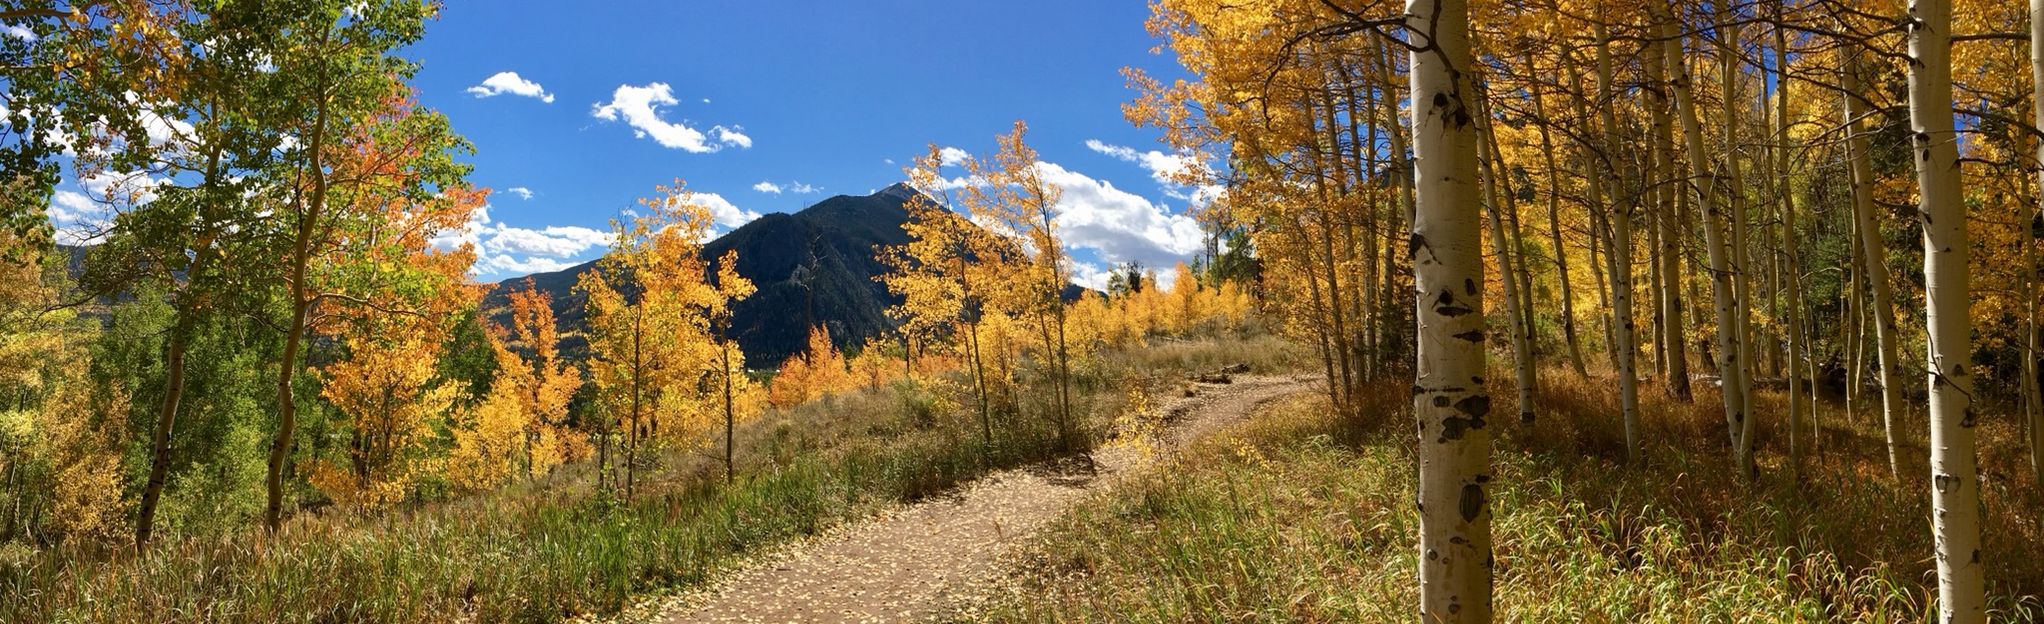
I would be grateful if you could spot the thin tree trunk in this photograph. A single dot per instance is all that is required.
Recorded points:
(730, 413)
(159, 441)
(1872, 267)
(1600, 261)
(2034, 409)
(1786, 194)
(1955, 484)
(294, 333)
(1621, 250)
(1522, 362)
(1568, 314)
(1730, 369)
(1740, 260)
(1666, 200)
(1450, 400)
(1407, 204)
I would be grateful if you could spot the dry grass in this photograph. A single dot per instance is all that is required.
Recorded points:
(1294, 517)
(553, 549)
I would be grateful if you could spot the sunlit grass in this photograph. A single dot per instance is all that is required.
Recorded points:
(552, 549)
(1295, 517)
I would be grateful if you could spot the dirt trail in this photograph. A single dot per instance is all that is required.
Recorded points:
(904, 564)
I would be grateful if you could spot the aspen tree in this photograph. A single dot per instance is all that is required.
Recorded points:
(1955, 483)
(1620, 218)
(1730, 365)
(1798, 341)
(2031, 347)
(1738, 260)
(1450, 399)
(1665, 222)
(1869, 254)
(1568, 314)
(1522, 357)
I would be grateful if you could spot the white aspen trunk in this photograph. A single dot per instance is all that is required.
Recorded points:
(1449, 399)
(1735, 211)
(1522, 360)
(1403, 164)
(1568, 312)
(1669, 298)
(1600, 260)
(1872, 268)
(1623, 325)
(1790, 275)
(1856, 312)
(1724, 298)
(2034, 411)
(1955, 483)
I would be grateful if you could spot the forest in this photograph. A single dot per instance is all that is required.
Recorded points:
(1521, 310)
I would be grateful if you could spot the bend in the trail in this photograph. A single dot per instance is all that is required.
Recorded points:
(908, 563)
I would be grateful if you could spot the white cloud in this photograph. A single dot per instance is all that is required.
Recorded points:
(520, 191)
(1090, 275)
(796, 187)
(732, 136)
(161, 130)
(77, 219)
(639, 107)
(502, 249)
(722, 211)
(1162, 166)
(507, 265)
(1168, 170)
(18, 32)
(509, 82)
(559, 241)
(1116, 225)
(82, 216)
(951, 156)
(1120, 226)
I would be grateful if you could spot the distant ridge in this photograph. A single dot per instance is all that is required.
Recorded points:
(812, 267)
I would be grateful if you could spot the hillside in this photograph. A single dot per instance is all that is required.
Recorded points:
(816, 266)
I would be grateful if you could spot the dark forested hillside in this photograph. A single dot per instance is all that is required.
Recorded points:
(812, 267)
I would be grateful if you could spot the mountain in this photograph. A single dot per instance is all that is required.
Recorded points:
(812, 267)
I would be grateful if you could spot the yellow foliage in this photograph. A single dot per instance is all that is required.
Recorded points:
(81, 439)
(818, 371)
(663, 369)
(387, 390)
(489, 441)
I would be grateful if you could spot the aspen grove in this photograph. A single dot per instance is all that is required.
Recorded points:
(1534, 307)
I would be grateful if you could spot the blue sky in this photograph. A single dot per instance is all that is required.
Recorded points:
(577, 110)
(825, 97)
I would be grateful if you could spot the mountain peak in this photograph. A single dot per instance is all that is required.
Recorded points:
(898, 190)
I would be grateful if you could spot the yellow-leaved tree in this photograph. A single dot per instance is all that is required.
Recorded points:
(1024, 270)
(489, 439)
(521, 426)
(662, 368)
(820, 370)
(389, 392)
(743, 399)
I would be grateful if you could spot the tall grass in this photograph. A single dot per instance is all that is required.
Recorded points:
(1295, 517)
(553, 549)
